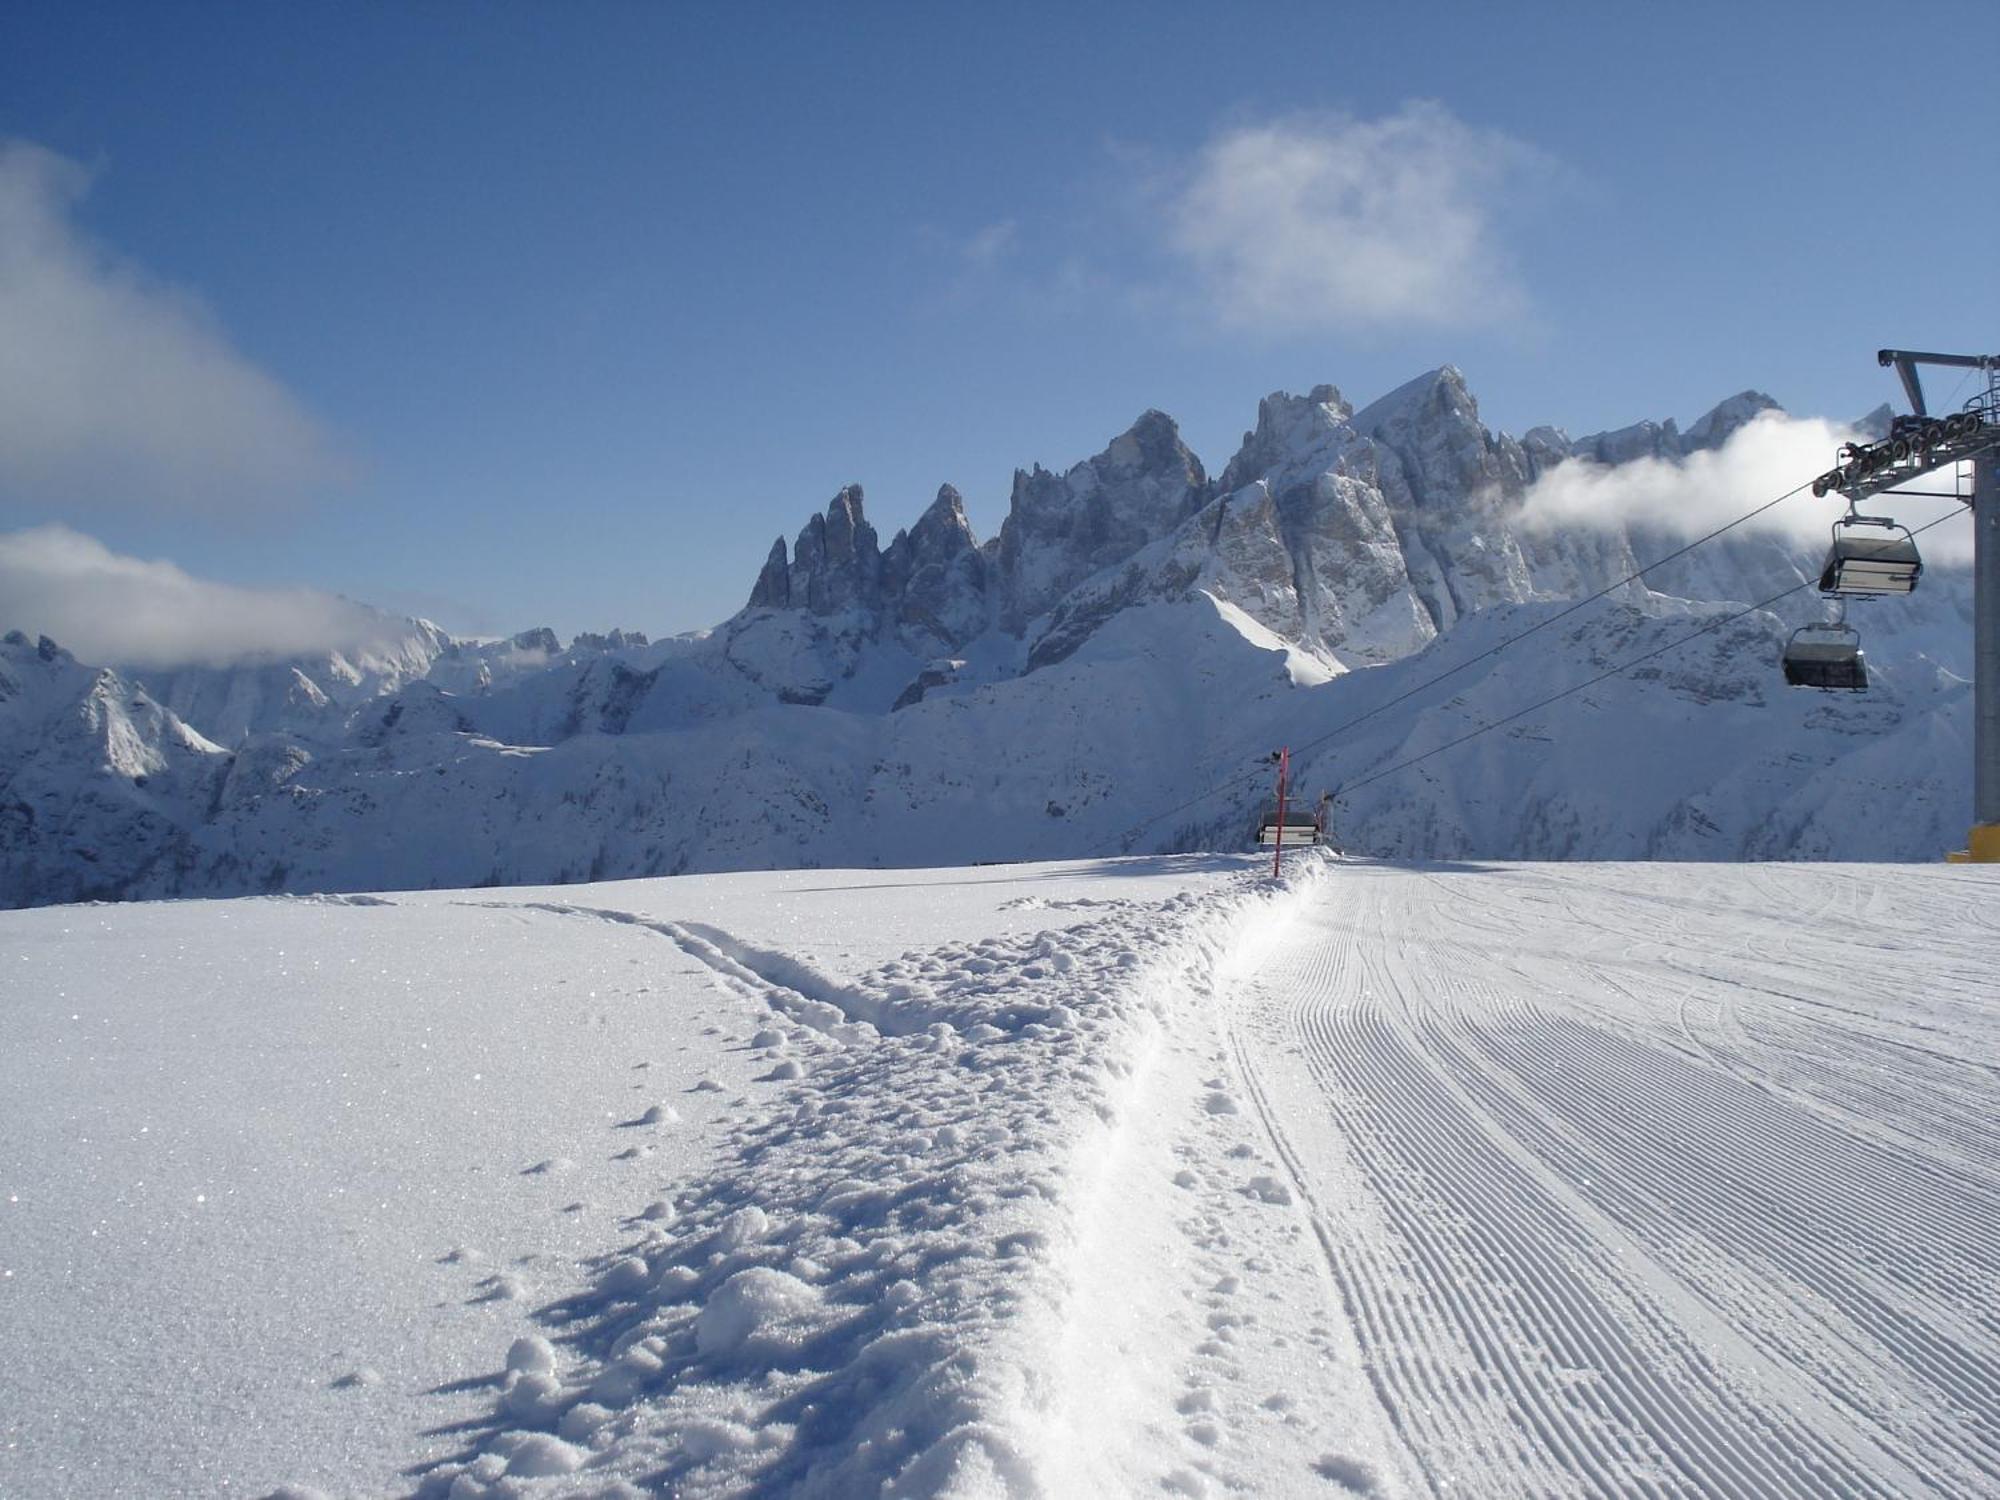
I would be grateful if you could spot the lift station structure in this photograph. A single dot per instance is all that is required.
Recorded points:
(1920, 444)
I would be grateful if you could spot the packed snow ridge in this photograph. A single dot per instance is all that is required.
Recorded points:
(1138, 635)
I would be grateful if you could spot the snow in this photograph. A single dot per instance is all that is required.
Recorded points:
(304, 1139)
(1141, 1176)
(311, 1158)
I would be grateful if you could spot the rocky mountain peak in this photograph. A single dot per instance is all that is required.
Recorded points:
(835, 564)
(1875, 424)
(1437, 457)
(541, 639)
(942, 530)
(1292, 432)
(1359, 534)
(610, 640)
(1665, 440)
(1435, 398)
(773, 589)
(1151, 446)
(1717, 425)
(936, 575)
(1061, 528)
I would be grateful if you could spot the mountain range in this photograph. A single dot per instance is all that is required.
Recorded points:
(1106, 675)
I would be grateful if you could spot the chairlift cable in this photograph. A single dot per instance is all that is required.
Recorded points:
(1969, 372)
(1610, 672)
(1236, 782)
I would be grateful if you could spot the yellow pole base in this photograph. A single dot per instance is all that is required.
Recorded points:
(1982, 846)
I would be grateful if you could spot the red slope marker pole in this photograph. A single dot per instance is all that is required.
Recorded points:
(1284, 780)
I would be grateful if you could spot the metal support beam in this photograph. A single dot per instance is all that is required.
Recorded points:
(1926, 357)
(1907, 360)
(1984, 844)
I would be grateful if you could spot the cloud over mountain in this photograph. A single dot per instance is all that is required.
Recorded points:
(117, 390)
(1690, 495)
(106, 607)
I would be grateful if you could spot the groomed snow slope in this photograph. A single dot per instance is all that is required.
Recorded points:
(1650, 1179)
(1122, 1178)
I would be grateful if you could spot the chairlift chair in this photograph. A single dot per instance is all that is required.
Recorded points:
(1301, 825)
(1859, 565)
(1828, 656)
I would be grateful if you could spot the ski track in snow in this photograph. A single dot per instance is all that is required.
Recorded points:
(1688, 1192)
(862, 1297)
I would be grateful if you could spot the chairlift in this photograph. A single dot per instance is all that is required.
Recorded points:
(1300, 825)
(1827, 655)
(1860, 565)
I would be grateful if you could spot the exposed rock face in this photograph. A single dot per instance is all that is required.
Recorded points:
(937, 674)
(1061, 528)
(1359, 535)
(835, 562)
(812, 619)
(1624, 444)
(937, 575)
(612, 640)
(1666, 440)
(1451, 485)
(1305, 497)
(774, 585)
(1722, 421)
(936, 588)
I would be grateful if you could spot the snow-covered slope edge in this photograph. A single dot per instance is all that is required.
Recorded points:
(880, 1291)
(1196, 1355)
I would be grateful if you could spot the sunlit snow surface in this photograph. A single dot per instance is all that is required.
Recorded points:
(1135, 1177)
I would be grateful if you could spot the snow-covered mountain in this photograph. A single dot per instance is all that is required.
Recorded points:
(1137, 637)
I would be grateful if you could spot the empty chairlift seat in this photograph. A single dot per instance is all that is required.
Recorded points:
(1301, 826)
(1826, 656)
(1870, 563)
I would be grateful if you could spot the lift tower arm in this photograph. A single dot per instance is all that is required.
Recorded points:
(1906, 361)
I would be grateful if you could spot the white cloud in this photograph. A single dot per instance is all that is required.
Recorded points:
(118, 391)
(986, 247)
(108, 608)
(1760, 461)
(1314, 222)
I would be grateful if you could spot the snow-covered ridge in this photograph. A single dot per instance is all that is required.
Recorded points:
(1138, 633)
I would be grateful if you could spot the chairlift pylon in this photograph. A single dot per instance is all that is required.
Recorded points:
(1860, 565)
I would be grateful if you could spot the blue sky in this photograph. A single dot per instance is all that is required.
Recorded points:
(558, 314)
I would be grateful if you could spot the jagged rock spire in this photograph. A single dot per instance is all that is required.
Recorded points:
(1061, 528)
(773, 589)
(835, 561)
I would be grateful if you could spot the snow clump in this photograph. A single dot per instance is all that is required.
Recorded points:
(754, 1310)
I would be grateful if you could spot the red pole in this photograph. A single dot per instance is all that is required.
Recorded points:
(1284, 781)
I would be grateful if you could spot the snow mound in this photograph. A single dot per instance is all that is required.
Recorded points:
(756, 1311)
